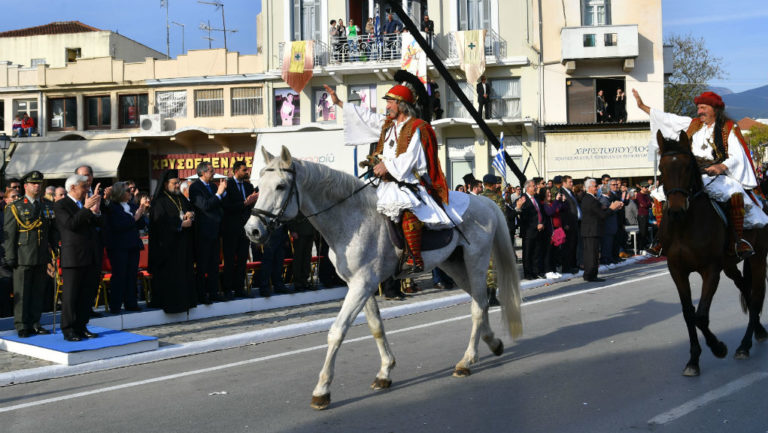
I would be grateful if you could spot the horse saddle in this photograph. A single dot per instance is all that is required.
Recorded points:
(430, 239)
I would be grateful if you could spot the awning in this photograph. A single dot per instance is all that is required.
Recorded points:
(60, 159)
(324, 147)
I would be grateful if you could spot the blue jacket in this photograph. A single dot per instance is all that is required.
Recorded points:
(122, 231)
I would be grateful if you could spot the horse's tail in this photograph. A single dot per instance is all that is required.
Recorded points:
(747, 280)
(508, 280)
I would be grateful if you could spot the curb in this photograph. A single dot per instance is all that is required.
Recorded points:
(256, 337)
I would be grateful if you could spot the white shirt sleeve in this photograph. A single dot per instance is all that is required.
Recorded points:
(738, 163)
(403, 166)
(669, 124)
(361, 126)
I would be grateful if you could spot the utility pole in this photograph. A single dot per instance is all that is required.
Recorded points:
(164, 3)
(183, 51)
(219, 5)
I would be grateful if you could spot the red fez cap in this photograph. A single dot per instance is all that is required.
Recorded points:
(400, 93)
(709, 98)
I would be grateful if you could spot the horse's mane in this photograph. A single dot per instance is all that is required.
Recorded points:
(335, 185)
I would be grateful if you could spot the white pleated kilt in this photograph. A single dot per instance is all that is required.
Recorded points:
(393, 200)
(721, 188)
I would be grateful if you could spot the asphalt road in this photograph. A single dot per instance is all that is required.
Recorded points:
(594, 358)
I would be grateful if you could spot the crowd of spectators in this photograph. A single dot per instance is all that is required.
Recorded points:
(192, 232)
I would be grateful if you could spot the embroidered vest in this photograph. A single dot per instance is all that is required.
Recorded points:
(718, 154)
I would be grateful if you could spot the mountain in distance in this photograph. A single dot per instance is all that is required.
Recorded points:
(749, 103)
(722, 91)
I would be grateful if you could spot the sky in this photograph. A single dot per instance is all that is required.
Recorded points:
(736, 30)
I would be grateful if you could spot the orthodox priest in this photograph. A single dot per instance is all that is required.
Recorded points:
(727, 169)
(170, 246)
(413, 191)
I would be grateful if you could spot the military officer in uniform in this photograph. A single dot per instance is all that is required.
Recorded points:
(491, 186)
(30, 235)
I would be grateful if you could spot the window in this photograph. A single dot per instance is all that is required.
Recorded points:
(453, 105)
(247, 101)
(582, 94)
(287, 107)
(29, 106)
(209, 103)
(34, 62)
(306, 20)
(595, 12)
(474, 14)
(171, 103)
(611, 39)
(98, 112)
(73, 54)
(324, 110)
(63, 113)
(589, 40)
(130, 108)
(505, 98)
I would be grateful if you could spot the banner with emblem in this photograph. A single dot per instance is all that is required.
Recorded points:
(413, 59)
(470, 45)
(298, 62)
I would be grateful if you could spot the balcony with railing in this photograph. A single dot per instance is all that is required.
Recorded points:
(494, 46)
(320, 57)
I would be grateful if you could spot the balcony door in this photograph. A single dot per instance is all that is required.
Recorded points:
(474, 14)
(306, 20)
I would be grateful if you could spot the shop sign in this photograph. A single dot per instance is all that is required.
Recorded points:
(187, 163)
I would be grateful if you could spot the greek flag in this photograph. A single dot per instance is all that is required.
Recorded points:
(498, 161)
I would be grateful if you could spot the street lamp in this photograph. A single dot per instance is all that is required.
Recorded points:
(5, 143)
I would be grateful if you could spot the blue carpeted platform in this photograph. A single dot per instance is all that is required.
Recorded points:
(53, 347)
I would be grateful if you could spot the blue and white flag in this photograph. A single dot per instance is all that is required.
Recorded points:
(498, 161)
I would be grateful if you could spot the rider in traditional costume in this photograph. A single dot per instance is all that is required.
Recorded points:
(413, 191)
(727, 169)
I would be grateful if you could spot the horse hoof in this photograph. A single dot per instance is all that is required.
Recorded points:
(321, 402)
(720, 350)
(741, 354)
(381, 384)
(461, 372)
(499, 349)
(761, 335)
(691, 371)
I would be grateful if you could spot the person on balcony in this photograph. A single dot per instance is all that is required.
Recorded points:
(484, 97)
(428, 27)
(391, 30)
(352, 33)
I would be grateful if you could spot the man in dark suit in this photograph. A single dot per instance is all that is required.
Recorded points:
(237, 204)
(593, 217)
(77, 219)
(87, 171)
(484, 97)
(531, 221)
(571, 223)
(428, 27)
(206, 197)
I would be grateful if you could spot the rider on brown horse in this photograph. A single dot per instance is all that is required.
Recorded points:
(724, 159)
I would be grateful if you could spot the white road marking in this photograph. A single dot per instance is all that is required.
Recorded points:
(709, 397)
(295, 352)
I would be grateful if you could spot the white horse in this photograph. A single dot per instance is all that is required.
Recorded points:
(361, 251)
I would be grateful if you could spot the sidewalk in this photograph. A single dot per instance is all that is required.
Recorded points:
(218, 333)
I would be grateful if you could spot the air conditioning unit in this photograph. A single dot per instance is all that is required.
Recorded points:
(151, 123)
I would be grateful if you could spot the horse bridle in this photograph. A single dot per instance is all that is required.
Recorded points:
(689, 193)
(273, 221)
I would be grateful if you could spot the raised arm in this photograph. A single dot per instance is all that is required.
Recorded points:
(640, 103)
(335, 99)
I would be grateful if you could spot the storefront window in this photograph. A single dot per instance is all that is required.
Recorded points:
(131, 107)
(209, 103)
(365, 94)
(98, 112)
(171, 104)
(63, 113)
(324, 110)
(247, 101)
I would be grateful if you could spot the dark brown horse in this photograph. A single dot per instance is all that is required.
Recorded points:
(696, 239)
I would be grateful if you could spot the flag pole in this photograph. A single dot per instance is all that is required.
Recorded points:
(397, 8)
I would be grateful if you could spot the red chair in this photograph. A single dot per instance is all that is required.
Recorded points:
(144, 276)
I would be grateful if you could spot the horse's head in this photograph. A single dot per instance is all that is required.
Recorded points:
(278, 196)
(679, 172)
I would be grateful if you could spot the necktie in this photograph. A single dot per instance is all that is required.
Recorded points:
(242, 189)
(536, 205)
(578, 208)
(79, 204)
(209, 187)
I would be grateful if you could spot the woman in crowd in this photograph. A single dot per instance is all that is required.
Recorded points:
(170, 247)
(552, 222)
(123, 243)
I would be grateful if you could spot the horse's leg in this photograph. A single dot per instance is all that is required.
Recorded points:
(479, 307)
(710, 280)
(684, 292)
(495, 344)
(350, 308)
(377, 329)
(744, 283)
